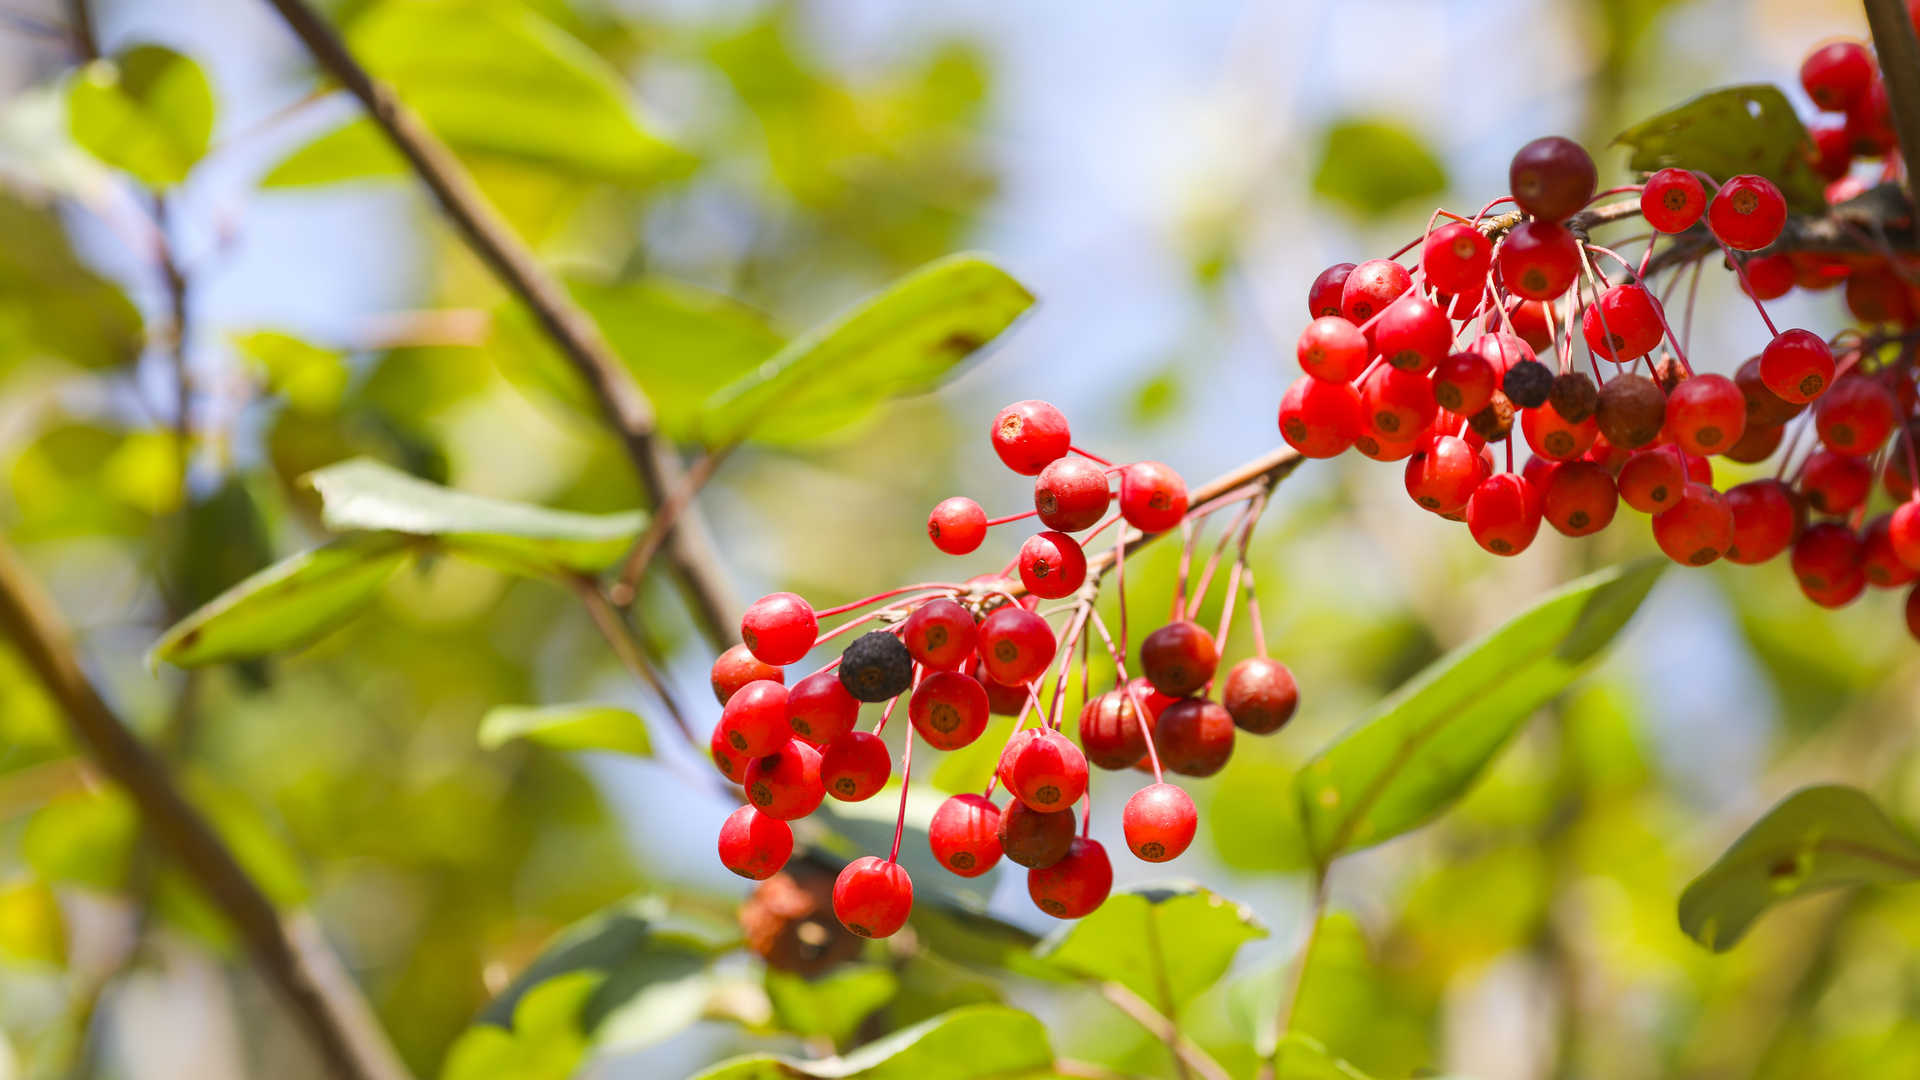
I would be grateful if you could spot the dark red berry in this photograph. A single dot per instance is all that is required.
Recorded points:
(819, 709)
(1464, 382)
(1030, 435)
(1070, 494)
(1194, 737)
(1015, 645)
(1881, 563)
(736, 668)
(1111, 732)
(1835, 484)
(855, 766)
(1903, 532)
(965, 835)
(876, 666)
(785, 783)
(1159, 822)
(1034, 839)
(1323, 296)
(1697, 529)
(1832, 149)
(1673, 200)
(1153, 498)
(1855, 416)
(754, 845)
(873, 897)
(1075, 885)
(1179, 658)
(779, 628)
(1827, 562)
(1836, 75)
(1260, 695)
(1552, 177)
(1764, 521)
(1002, 700)
(1764, 407)
(1756, 445)
(957, 526)
(1747, 213)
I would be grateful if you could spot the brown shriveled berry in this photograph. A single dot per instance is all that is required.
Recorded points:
(1494, 422)
(1631, 411)
(789, 923)
(1573, 396)
(1668, 372)
(1527, 384)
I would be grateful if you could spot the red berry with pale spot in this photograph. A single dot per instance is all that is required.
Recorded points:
(819, 709)
(1015, 645)
(1194, 737)
(1504, 514)
(1153, 498)
(1398, 404)
(1111, 732)
(940, 634)
(948, 709)
(1697, 529)
(1323, 296)
(1706, 414)
(1626, 324)
(1048, 773)
(1579, 499)
(754, 721)
(1552, 177)
(1827, 562)
(754, 845)
(1836, 75)
(1464, 382)
(785, 783)
(1071, 494)
(1030, 435)
(1320, 418)
(1456, 257)
(1764, 521)
(736, 668)
(779, 628)
(1673, 200)
(873, 897)
(1797, 366)
(1855, 416)
(1747, 213)
(1260, 695)
(855, 766)
(1075, 885)
(1179, 658)
(1034, 839)
(1538, 260)
(1444, 475)
(1052, 565)
(1412, 335)
(1159, 822)
(965, 835)
(957, 526)
(1370, 287)
(1331, 348)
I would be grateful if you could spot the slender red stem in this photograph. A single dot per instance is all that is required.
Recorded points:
(1133, 694)
(991, 522)
(906, 777)
(1096, 458)
(942, 586)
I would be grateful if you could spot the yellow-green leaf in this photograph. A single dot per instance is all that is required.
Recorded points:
(567, 727)
(978, 1042)
(1734, 130)
(1164, 943)
(1373, 167)
(148, 110)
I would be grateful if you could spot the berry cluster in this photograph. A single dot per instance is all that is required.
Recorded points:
(1434, 365)
(961, 652)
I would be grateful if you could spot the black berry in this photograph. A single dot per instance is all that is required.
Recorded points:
(1527, 384)
(876, 666)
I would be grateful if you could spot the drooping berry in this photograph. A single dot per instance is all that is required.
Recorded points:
(1153, 498)
(1747, 213)
(731, 763)
(1764, 521)
(786, 783)
(1579, 499)
(1456, 258)
(1323, 296)
(1538, 260)
(1443, 476)
(1527, 384)
(1767, 277)
(1764, 407)
(1320, 418)
(1573, 396)
(1070, 494)
(754, 720)
(1194, 737)
(1552, 177)
(1111, 732)
(1412, 335)
(1504, 514)
(1881, 563)
(1159, 822)
(1706, 414)
(1260, 695)
(1836, 75)
(1397, 404)
(1797, 366)
(957, 525)
(1075, 885)
(1034, 839)
(1903, 532)
(1464, 382)
(1015, 645)
(965, 835)
(1002, 700)
(1331, 348)
(819, 709)
(1652, 479)
(1870, 122)
(939, 634)
(1370, 287)
(1697, 529)
(1052, 565)
(1832, 150)
(1631, 411)
(855, 766)
(1553, 438)
(876, 666)
(1030, 435)
(736, 668)
(1625, 325)
(1673, 200)
(1855, 416)
(1826, 560)
(1048, 773)
(1179, 658)
(1877, 295)
(1835, 484)
(948, 709)
(779, 628)
(754, 845)
(873, 897)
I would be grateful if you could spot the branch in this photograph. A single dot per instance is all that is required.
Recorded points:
(1187, 1054)
(1899, 52)
(689, 548)
(348, 1049)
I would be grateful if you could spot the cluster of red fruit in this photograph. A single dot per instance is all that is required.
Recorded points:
(1434, 365)
(961, 652)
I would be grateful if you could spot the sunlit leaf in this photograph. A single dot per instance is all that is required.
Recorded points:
(1818, 838)
(1164, 943)
(366, 494)
(1303, 1057)
(1373, 167)
(1424, 746)
(51, 304)
(979, 1042)
(567, 727)
(544, 1042)
(292, 603)
(32, 929)
(1737, 129)
(832, 1006)
(903, 340)
(148, 110)
(1346, 1007)
(311, 378)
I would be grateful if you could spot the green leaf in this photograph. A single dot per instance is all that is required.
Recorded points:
(1164, 943)
(148, 110)
(1302, 1057)
(979, 1042)
(1373, 166)
(1348, 1006)
(543, 1043)
(1424, 746)
(567, 727)
(1818, 838)
(832, 1006)
(311, 378)
(904, 340)
(1726, 132)
(52, 304)
(366, 494)
(290, 604)
(490, 79)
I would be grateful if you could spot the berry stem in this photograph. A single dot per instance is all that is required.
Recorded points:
(1133, 695)
(906, 776)
(1186, 563)
(991, 522)
(1239, 570)
(1213, 562)
(939, 586)
(1746, 286)
(886, 714)
(1095, 458)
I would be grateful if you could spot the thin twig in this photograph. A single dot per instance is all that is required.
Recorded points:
(626, 588)
(1186, 1053)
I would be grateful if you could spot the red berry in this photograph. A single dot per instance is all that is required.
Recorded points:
(940, 634)
(1747, 213)
(1320, 418)
(754, 845)
(1370, 287)
(1504, 514)
(1002, 700)
(1764, 521)
(1052, 565)
(1464, 382)
(1379, 447)
(755, 719)
(1015, 645)
(1697, 528)
(1552, 177)
(1835, 484)
(779, 628)
(1855, 416)
(965, 835)
(1579, 499)
(1538, 260)
(1706, 414)
(1323, 296)
(1071, 494)
(1832, 150)
(1870, 123)
(786, 783)
(731, 763)
(873, 897)
(1879, 560)
(1153, 498)
(1652, 479)
(736, 668)
(1553, 438)
(1836, 75)
(1159, 822)
(1260, 695)
(1076, 885)
(1443, 476)
(1797, 366)
(1331, 348)
(819, 709)
(1878, 295)
(1913, 613)
(855, 766)
(948, 709)
(1398, 404)
(1412, 335)
(1029, 435)
(1625, 325)
(1048, 773)
(1768, 277)
(957, 526)
(1903, 533)
(1455, 258)
(1034, 839)
(1673, 200)
(1179, 658)
(1826, 560)
(1530, 322)
(1194, 737)
(1110, 731)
